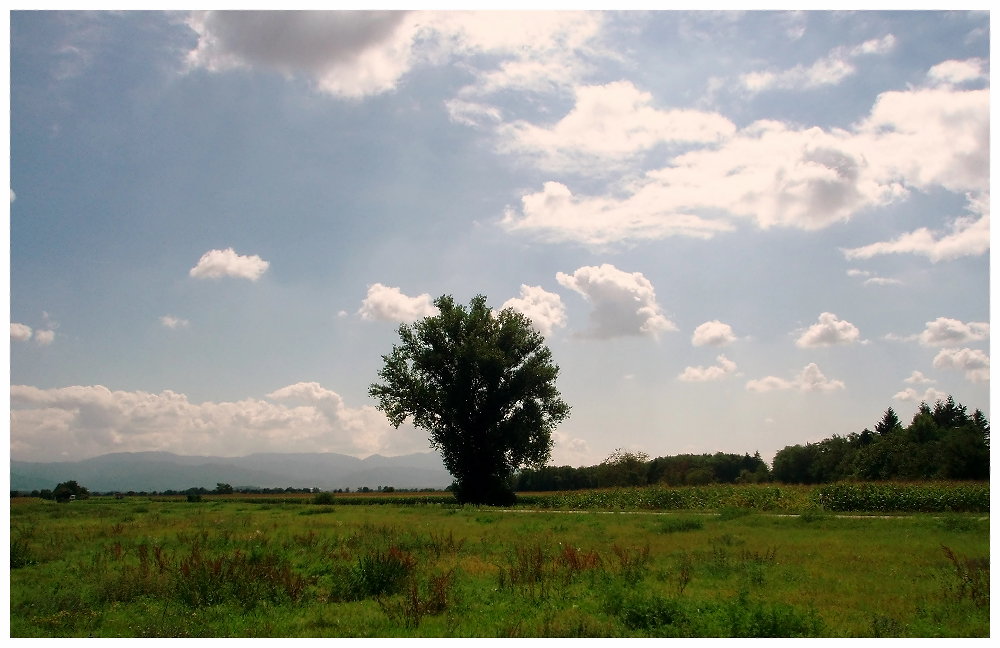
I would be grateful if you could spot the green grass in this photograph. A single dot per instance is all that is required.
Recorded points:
(290, 568)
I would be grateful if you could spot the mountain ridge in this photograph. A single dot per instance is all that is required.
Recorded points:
(159, 471)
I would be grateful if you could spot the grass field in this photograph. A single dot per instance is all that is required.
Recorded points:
(417, 566)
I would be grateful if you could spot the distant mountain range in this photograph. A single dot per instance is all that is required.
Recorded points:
(160, 471)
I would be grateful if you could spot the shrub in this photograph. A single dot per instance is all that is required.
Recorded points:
(971, 578)
(20, 554)
(202, 580)
(380, 573)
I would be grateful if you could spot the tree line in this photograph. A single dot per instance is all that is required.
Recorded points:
(626, 468)
(943, 442)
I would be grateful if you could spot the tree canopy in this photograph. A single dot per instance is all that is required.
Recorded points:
(483, 384)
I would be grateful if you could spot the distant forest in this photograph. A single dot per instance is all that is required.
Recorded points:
(941, 442)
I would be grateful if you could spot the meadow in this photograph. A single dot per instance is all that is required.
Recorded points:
(849, 560)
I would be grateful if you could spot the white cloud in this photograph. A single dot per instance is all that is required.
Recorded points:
(945, 331)
(89, 420)
(828, 331)
(556, 214)
(930, 137)
(810, 379)
(713, 333)
(965, 236)
(870, 279)
(975, 363)
(542, 54)
(719, 371)
(215, 264)
(830, 70)
(930, 395)
(918, 378)
(545, 309)
(171, 322)
(609, 123)
(20, 332)
(355, 54)
(472, 113)
(957, 72)
(623, 303)
(45, 337)
(345, 53)
(777, 175)
(569, 450)
(389, 304)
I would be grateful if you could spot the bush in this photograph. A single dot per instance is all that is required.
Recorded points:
(323, 498)
(380, 573)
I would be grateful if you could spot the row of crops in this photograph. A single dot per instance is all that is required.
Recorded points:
(860, 497)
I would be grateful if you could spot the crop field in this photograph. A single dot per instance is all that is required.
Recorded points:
(849, 560)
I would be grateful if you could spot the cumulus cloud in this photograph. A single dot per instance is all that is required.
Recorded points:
(90, 420)
(355, 54)
(545, 309)
(610, 122)
(718, 371)
(828, 331)
(623, 303)
(975, 363)
(918, 378)
(713, 333)
(557, 215)
(569, 450)
(216, 264)
(945, 331)
(829, 70)
(810, 379)
(778, 175)
(956, 72)
(171, 322)
(388, 303)
(345, 53)
(930, 395)
(20, 332)
(930, 137)
(44, 337)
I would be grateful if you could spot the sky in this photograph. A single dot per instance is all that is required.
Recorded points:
(737, 231)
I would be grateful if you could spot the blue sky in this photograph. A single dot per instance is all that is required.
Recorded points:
(737, 231)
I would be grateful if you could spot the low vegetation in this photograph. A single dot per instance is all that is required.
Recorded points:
(711, 561)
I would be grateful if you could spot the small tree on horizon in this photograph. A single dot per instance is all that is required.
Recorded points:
(483, 384)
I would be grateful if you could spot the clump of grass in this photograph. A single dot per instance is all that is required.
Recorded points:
(971, 578)
(882, 627)
(419, 599)
(20, 554)
(440, 543)
(632, 562)
(527, 566)
(379, 573)
(202, 580)
(660, 616)
(576, 561)
(733, 512)
(677, 525)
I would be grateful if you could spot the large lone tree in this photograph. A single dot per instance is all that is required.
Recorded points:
(483, 384)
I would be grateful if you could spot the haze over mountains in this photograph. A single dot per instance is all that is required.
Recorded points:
(160, 471)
